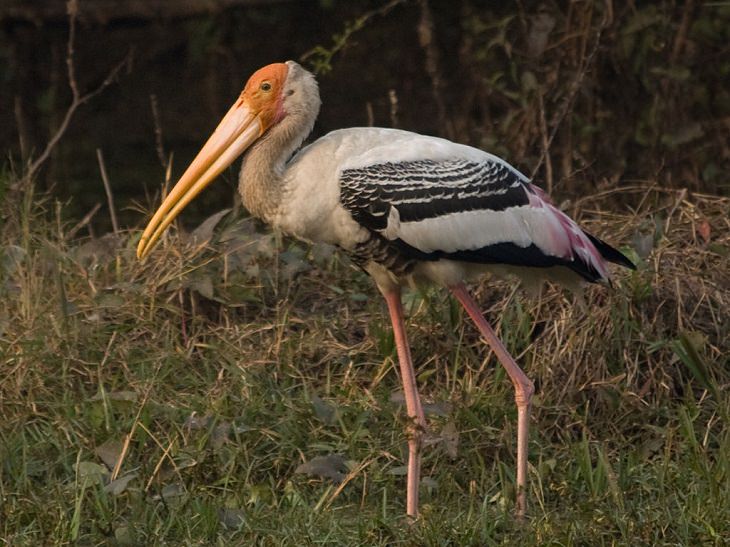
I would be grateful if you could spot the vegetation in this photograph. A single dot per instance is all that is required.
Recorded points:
(177, 400)
(239, 388)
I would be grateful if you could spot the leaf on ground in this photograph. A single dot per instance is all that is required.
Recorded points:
(202, 284)
(253, 271)
(547, 466)
(220, 435)
(332, 466)
(323, 410)
(204, 231)
(118, 486)
(98, 250)
(322, 253)
(110, 452)
(91, 473)
(266, 245)
(240, 427)
(643, 243)
(246, 249)
(124, 535)
(129, 396)
(170, 491)
(450, 438)
(399, 471)
(238, 232)
(196, 422)
(429, 483)
(439, 408)
(651, 446)
(293, 263)
(231, 518)
(173, 490)
(110, 300)
(398, 398)
(184, 460)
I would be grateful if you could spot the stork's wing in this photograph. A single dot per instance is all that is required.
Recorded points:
(472, 211)
(421, 190)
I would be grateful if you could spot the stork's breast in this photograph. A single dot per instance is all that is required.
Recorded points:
(311, 210)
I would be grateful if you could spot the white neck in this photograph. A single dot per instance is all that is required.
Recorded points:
(262, 173)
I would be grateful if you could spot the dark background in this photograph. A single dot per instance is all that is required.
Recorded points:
(635, 92)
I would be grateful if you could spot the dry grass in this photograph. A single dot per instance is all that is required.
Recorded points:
(174, 400)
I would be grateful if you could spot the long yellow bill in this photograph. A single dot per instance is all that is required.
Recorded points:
(238, 129)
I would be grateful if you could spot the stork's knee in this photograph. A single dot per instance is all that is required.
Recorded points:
(523, 392)
(416, 432)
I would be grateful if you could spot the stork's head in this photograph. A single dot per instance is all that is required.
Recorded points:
(273, 95)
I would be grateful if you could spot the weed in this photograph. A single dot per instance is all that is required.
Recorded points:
(230, 392)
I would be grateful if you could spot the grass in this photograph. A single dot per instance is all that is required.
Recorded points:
(244, 392)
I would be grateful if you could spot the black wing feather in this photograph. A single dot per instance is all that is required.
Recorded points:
(428, 189)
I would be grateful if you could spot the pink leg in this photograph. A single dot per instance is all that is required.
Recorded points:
(413, 403)
(524, 389)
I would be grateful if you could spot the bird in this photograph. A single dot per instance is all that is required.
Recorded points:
(408, 209)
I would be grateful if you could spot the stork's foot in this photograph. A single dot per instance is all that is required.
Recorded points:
(524, 390)
(415, 444)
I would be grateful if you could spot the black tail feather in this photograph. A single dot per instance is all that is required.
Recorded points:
(611, 254)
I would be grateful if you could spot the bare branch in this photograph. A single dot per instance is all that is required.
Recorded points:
(108, 190)
(393, 99)
(72, 8)
(545, 144)
(158, 130)
(320, 58)
(77, 98)
(22, 129)
(84, 221)
(586, 63)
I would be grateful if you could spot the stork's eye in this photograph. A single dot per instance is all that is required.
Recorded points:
(265, 86)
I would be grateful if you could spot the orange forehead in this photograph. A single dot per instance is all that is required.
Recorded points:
(275, 74)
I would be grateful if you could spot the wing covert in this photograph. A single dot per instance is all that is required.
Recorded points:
(427, 189)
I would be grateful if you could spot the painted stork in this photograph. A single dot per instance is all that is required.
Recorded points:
(406, 208)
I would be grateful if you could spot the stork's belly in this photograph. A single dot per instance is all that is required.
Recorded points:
(447, 273)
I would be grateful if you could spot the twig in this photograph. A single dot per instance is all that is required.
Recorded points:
(77, 98)
(128, 438)
(108, 190)
(165, 455)
(545, 144)
(158, 130)
(681, 37)
(679, 199)
(393, 99)
(22, 129)
(321, 58)
(575, 86)
(84, 221)
(351, 475)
